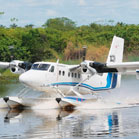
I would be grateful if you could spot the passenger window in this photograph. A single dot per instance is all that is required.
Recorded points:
(75, 75)
(68, 74)
(63, 73)
(52, 69)
(72, 74)
(79, 75)
(59, 72)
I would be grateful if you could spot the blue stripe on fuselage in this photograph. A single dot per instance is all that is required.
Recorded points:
(111, 83)
(114, 82)
(75, 98)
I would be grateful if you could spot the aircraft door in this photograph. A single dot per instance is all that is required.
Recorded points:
(52, 74)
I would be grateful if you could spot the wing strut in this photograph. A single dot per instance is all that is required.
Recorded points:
(58, 91)
(74, 89)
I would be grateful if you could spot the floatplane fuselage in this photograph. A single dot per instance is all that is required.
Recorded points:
(52, 77)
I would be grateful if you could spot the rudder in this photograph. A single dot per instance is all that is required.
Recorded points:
(116, 55)
(116, 50)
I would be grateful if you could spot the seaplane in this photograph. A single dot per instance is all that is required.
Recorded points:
(70, 85)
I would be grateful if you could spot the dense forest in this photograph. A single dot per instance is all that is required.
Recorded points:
(62, 38)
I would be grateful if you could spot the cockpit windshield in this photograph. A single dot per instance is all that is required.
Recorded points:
(40, 67)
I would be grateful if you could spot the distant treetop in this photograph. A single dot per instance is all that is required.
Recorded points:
(63, 24)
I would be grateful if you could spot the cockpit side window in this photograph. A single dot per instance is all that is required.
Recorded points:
(34, 66)
(44, 66)
(52, 69)
(41, 67)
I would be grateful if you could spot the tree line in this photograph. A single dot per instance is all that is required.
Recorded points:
(62, 38)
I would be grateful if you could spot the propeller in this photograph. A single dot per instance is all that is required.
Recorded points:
(84, 52)
(22, 66)
(16, 66)
(92, 66)
(83, 63)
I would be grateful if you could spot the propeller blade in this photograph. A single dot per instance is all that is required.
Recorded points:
(84, 52)
(74, 68)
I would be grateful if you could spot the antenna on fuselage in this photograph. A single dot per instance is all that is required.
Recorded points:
(84, 52)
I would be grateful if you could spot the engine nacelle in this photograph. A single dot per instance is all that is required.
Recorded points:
(19, 67)
(86, 68)
(17, 70)
(101, 68)
(16, 66)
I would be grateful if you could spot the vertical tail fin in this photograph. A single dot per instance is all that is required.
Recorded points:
(116, 55)
(116, 50)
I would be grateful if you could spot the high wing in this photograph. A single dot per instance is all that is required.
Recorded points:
(125, 67)
(4, 65)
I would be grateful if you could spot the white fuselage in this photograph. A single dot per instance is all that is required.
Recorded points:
(52, 77)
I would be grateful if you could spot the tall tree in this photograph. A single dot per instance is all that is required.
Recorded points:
(36, 43)
(63, 24)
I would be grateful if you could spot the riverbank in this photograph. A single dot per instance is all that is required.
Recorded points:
(7, 77)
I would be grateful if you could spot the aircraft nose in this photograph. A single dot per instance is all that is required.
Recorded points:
(32, 78)
(23, 78)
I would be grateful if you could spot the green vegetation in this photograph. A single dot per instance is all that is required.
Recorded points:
(7, 77)
(61, 38)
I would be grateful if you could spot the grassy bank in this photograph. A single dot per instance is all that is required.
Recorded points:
(131, 58)
(8, 77)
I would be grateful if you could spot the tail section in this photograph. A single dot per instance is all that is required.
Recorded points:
(116, 50)
(116, 56)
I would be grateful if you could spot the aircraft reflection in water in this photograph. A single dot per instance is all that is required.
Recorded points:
(60, 124)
